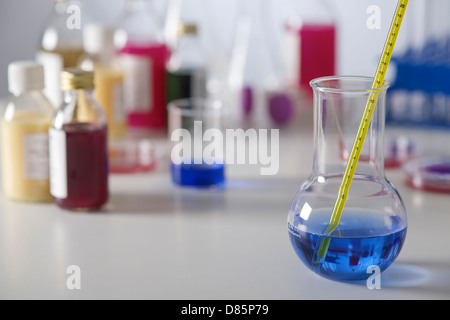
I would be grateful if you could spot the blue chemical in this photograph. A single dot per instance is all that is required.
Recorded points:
(198, 175)
(357, 244)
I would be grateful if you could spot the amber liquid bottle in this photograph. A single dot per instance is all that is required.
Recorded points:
(100, 57)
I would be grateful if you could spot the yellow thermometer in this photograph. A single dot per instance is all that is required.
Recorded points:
(363, 127)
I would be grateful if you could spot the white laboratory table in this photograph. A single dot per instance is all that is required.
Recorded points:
(158, 241)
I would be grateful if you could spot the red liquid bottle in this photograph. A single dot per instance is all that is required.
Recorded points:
(144, 55)
(78, 146)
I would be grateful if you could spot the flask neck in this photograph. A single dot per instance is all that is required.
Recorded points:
(338, 110)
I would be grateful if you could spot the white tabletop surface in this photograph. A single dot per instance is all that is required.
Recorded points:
(157, 241)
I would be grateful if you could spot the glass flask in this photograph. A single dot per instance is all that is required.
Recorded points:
(262, 101)
(144, 54)
(78, 146)
(25, 122)
(61, 45)
(373, 225)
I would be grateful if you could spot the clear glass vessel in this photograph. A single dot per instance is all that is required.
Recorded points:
(195, 163)
(61, 45)
(373, 225)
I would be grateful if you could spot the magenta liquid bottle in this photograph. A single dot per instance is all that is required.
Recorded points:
(317, 53)
(145, 72)
(78, 146)
(144, 55)
(310, 42)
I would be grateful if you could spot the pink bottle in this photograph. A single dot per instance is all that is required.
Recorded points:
(317, 53)
(144, 55)
(310, 43)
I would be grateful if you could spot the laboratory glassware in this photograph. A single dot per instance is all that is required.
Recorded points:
(253, 70)
(429, 173)
(144, 55)
(186, 69)
(419, 96)
(78, 146)
(310, 42)
(372, 229)
(25, 122)
(398, 150)
(101, 58)
(61, 45)
(196, 131)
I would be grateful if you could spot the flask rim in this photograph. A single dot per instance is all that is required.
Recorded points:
(322, 84)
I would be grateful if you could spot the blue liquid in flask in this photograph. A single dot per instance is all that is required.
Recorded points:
(360, 241)
(198, 175)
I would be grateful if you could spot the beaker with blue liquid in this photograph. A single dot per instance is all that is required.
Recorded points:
(373, 225)
(197, 132)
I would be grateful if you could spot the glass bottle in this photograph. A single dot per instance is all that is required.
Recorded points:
(78, 146)
(186, 70)
(144, 55)
(309, 47)
(60, 45)
(100, 57)
(373, 225)
(25, 123)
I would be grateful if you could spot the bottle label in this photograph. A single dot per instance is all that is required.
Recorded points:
(36, 156)
(199, 84)
(291, 54)
(58, 163)
(117, 98)
(137, 83)
(53, 65)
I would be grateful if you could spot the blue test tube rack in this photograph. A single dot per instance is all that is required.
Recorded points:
(423, 80)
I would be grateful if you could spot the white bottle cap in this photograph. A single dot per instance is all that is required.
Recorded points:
(98, 38)
(25, 76)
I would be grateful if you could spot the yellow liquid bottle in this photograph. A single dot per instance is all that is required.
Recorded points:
(109, 93)
(24, 142)
(98, 43)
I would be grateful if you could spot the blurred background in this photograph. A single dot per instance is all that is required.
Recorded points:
(22, 23)
(257, 55)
